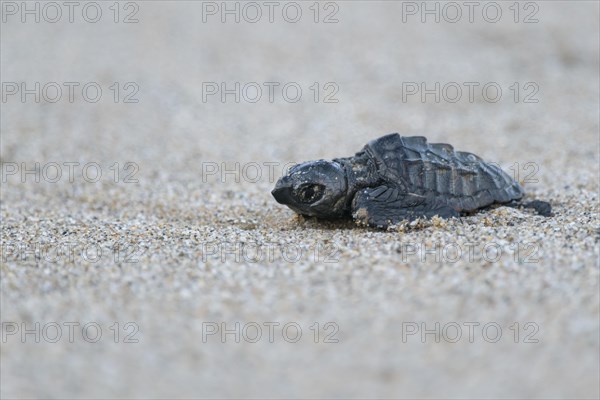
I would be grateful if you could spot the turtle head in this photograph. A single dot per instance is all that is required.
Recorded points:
(315, 188)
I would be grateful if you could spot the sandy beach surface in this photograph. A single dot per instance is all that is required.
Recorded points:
(143, 255)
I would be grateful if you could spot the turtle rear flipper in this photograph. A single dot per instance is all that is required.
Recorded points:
(543, 208)
(384, 205)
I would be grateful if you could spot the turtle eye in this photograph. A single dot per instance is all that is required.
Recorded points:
(309, 193)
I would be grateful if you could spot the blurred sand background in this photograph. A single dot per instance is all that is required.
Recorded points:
(181, 226)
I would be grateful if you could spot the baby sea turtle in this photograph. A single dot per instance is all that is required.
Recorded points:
(396, 178)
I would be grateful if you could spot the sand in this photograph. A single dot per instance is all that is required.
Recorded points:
(176, 274)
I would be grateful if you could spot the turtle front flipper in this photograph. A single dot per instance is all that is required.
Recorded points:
(384, 205)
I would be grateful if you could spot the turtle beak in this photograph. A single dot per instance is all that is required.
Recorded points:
(282, 191)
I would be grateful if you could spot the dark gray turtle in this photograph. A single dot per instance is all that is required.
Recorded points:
(397, 178)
